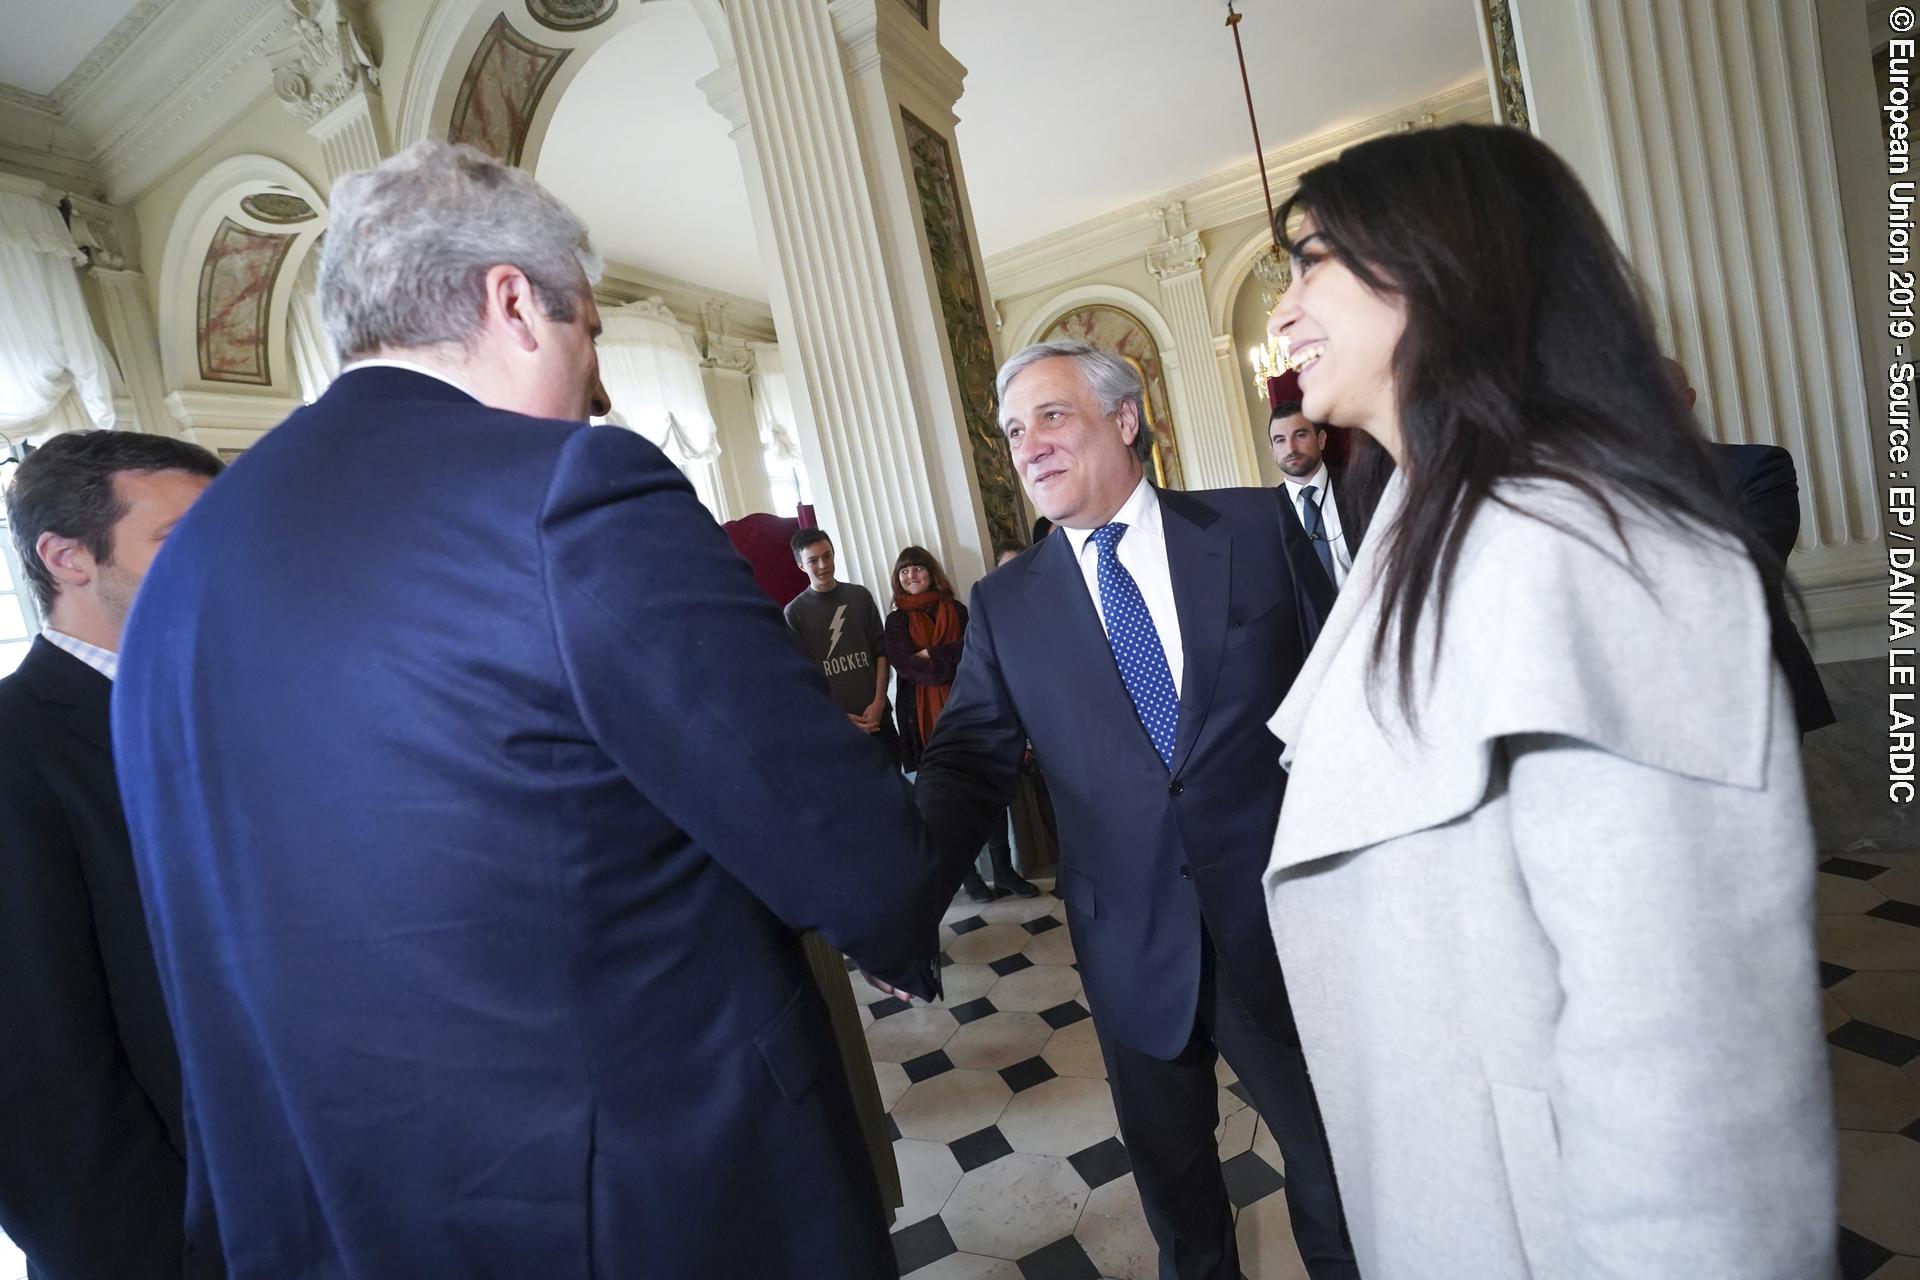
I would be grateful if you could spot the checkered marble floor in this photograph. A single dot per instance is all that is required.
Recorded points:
(1869, 927)
(1009, 1154)
(1007, 1143)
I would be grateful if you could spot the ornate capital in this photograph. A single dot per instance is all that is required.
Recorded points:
(97, 240)
(730, 354)
(332, 52)
(1179, 250)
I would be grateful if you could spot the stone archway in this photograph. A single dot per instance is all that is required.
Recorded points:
(227, 275)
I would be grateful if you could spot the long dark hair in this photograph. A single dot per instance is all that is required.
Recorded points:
(1528, 352)
(924, 558)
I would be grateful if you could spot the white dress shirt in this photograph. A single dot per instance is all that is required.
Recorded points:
(105, 661)
(410, 367)
(1142, 552)
(1322, 498)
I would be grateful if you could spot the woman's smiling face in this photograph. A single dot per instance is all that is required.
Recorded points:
(1342, 336)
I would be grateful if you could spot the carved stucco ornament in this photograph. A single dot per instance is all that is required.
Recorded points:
(332, 52)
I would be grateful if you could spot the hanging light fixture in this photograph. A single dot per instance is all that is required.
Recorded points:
(1270, 359)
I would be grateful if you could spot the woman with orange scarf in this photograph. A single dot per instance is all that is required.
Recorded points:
(925, 635)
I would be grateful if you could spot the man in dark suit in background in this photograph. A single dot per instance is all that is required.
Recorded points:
(1331, 511)
(1142, 649)
(92, 1175)
(1765, 489)
(494, 808)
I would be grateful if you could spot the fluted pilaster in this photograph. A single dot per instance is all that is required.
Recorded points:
(1703, 131)
(1246, 435)
(833, 298)
(352, 135)
(136, 345)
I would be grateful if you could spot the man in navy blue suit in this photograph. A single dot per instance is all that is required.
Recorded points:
(1142, 649)
(474, 788)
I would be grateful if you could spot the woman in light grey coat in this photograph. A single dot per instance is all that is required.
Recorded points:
(1542, 886)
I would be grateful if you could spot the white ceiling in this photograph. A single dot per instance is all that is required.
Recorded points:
(37, 52)
(1072, 108)
(637, 152)
(1076, 107)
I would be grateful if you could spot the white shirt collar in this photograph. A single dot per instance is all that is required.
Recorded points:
(385, 362)
(105, 661)
(1318, 480)
(1140, 511)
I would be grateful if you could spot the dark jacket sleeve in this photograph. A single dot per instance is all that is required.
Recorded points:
(942, 662)
(90, 1184)
(1766, 489)
(967, 772)
(685, 637)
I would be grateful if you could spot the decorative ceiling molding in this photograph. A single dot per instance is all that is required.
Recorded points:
(242, 40)
(1129, 231)
(116, 118)
(571, 15)
(98, 59)
(747, 318)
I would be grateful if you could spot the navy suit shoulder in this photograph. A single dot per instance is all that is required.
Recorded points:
(479, 878)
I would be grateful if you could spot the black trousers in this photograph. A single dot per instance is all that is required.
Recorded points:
(1168, 1112)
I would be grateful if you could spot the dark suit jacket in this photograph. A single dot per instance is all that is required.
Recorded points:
(491, 799)
(1766, 490)
(92, 1181)
(1145, 856)
(1355, 508)
(1353, 514)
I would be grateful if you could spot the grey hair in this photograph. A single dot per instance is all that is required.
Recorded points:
(1108, 377)
(409, 245)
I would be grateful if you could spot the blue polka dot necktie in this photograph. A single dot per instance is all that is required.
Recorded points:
(1136, 645)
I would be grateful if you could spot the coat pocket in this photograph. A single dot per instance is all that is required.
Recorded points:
(1075, 888)
(1530, 1151)
(791, 1054)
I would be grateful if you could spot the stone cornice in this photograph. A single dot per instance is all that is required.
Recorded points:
(98, 59)
(747, 318)
(926, 75)
(118, 117)
(1130, 231)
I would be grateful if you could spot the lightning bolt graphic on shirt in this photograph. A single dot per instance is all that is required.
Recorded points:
(839, 621)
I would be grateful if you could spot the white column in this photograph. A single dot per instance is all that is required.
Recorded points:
(1703, 132)
(904, 86)
(896, 451)
(1207, 451)
(1247, 438)
(831, 295)
(740, 470)
(136, 345)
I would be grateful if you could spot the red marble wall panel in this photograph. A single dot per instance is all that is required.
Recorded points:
(500, 91)
(236, 296)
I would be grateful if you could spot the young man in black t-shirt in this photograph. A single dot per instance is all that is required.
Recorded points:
(837, 625)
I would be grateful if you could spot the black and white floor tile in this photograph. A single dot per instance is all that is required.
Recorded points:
(1007, 1143)
(1010, 1157)
(1869, 927)
(1013, 1170)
